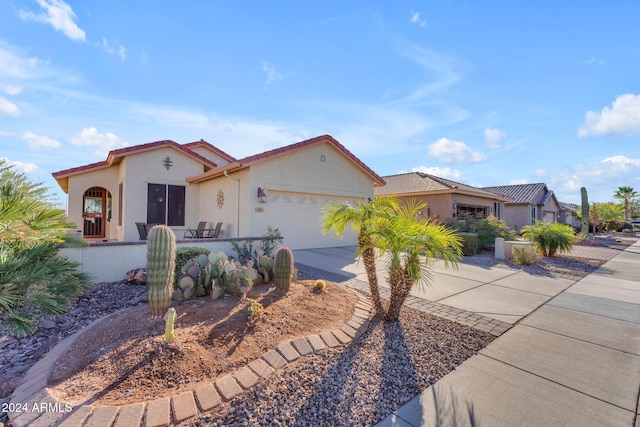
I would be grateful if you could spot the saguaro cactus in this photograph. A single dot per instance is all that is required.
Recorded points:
(585, 213)
(169, 335)
(161, 264)
(283, 268)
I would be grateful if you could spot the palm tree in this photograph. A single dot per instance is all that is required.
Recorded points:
(625, 193)
(364, 220)
(33, 278)
(410, 243)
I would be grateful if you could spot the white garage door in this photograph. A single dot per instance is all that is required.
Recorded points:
(297, 216)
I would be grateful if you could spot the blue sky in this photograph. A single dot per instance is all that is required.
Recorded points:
(485, 92)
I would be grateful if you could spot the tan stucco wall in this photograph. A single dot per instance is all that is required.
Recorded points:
(208, 154)
(145, 168)
(309, 179)
(517, 216)
(78, 184)
(227, 213)
(440, 206)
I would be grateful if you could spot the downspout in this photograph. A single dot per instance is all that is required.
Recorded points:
(238, 203)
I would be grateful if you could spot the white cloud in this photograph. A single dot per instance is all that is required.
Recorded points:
(270, 71)
(442, 67)
(8, 108)
(494, 137)
(17, 66)
(518, 181)
(22, 166)
(39, 142)
(416, 18)
(622, 118)
(540, 173)
(11, 89)
(113, 49)
(453, 174)
(103, 142)
(601, 178)
(59, 15)
(144, 58)
(450, 151)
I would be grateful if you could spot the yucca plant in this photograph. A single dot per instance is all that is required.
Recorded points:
(549, 238)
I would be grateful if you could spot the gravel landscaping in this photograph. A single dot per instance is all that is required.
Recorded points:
(357, 385)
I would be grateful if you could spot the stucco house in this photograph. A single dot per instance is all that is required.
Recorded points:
(529, 203)
(445, 199)
(180, 185)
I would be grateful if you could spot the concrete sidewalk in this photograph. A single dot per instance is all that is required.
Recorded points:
(574, 361)
(503, 294)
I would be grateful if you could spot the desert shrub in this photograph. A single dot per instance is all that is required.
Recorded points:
(549, 238)
(320, 285)
(524, 255)
(487, 229)
(255, 309)
(244, 248)
(469, 243)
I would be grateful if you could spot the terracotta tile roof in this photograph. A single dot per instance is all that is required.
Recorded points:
(422, 183)
(116, 156)
(248, 161)
(212, 148)
(532, 194)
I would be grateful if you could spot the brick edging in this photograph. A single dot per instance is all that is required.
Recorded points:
(37, 407)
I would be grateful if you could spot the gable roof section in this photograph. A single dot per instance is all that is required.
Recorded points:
(421, 183)
(569, 206)
(115, 157)
(212, 148)
(531, 194)
(257, 158)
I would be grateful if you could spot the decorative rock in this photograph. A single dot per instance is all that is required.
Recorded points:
(7, 340)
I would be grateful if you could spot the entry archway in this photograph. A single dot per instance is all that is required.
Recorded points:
(96, 211)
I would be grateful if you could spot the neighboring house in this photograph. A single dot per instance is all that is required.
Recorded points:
(529, 203)
(445, 199)
(180, 185)
(567, 214)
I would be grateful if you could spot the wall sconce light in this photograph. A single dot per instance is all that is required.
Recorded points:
(262, 195)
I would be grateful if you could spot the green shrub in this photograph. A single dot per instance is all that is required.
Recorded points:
(34, 280)
(549, 238)
(487, 229)
(185, 254)
(524, 255)
(469, 243)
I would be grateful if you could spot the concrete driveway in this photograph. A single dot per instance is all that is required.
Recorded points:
(501, 293)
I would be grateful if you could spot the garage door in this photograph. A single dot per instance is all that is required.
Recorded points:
(297, 216)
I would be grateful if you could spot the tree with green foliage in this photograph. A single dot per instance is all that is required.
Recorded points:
(549, 238)
(33, 278)
(411, 245)
(626, 194)
(364, 218)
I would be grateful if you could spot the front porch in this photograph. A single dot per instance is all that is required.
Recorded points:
(110, 261)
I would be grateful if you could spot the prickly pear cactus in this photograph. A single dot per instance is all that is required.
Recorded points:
(585, 212)
(283, 268)
(161, 264)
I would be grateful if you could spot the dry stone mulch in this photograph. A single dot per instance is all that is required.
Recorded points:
(359, 385)
(18, 355)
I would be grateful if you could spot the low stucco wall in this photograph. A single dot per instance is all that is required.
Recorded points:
(109, 262)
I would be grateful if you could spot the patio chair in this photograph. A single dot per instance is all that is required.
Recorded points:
(216, 231)
(142, 230)
(199, 233)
